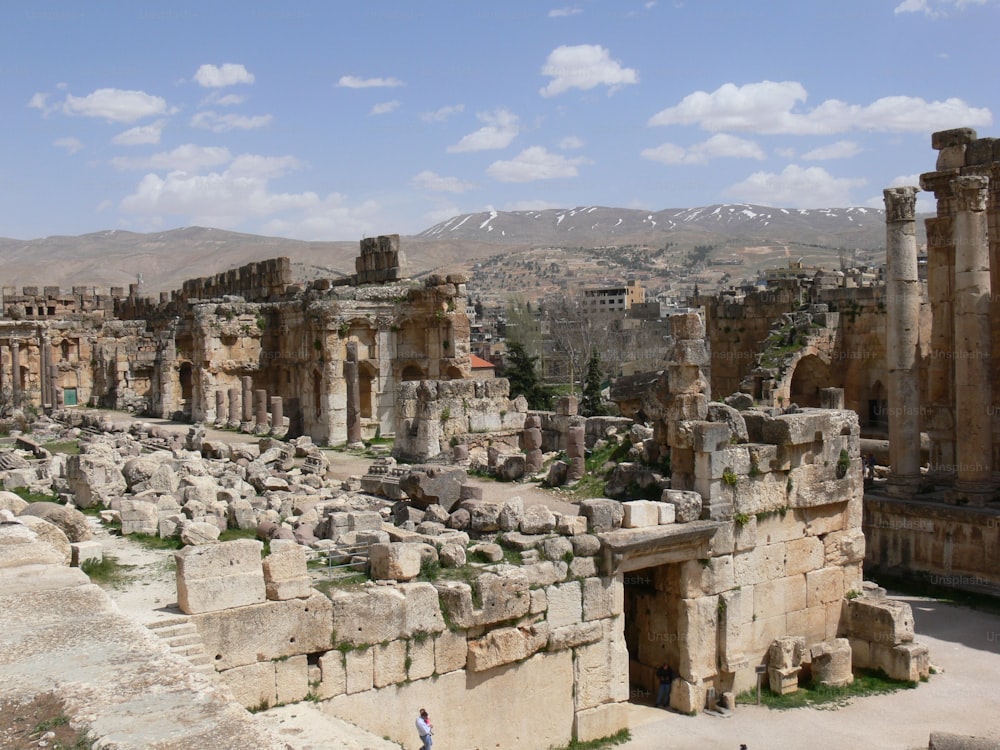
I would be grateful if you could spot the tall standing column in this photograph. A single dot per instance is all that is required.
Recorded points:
(353, 394)
(234, 408)
(277, 416)
(902, 340)
(221, 418)
(973, 343)
(260, 407)
(247, 402)
(15, 371)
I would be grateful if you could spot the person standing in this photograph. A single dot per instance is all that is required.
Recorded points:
(666, 677)
(425, 729)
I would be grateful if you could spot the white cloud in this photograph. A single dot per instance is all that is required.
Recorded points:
(767, 107)
(385, 107)
(267, 167)
(188, 158)
(219, 123)
(40, 101)
(717, 147)
(217, 98)
(353, 82)
(795, 187)
(934, 8)
(535, 163)
(570, 142)
(785, 152)
(428, 180)
(116, 105)
(905, 180)
(217, 76)
(564, 12)
(926, 203)
(502, 127)
(440, 115)
(838, 150)
(584, 66)
(141, 135)
(71, 144)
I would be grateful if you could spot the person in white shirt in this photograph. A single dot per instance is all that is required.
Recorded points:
(425, 729)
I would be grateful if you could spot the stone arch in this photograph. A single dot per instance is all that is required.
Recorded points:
(811, 373)
(453, 373)
(412, 371)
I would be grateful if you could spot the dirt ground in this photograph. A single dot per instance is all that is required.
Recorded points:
(40, 722)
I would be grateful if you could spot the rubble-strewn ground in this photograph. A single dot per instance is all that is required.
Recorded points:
(40, 722)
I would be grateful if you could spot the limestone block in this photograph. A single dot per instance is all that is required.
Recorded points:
(835, 618)
(786, 652)
(421, 610)
(570, 525)
(736, 612)
(82, 552)
(697, 626)
(52, 535)
(333, 675)
(565, 604)
(271, 630)
(450, 650)
(511, 513)
(824, 586)
(687, 697)
(778, 596)
(640, 514)
(285, 572)
(72, 522)
(600, 673)
(421, 655)
(219, 576)
(538, 520)
(389, 663)
(779, 527)
(745, 534)
(359, 665)
(803, 555)
(485, 517)
(809, 623)
(585, 545)
(452, 555)
(825, 519)
(783, 681)
(253, 685)
(603, 597)
(506, 645)
(763, 631)
(844, 547)
(601, 514)
(582, 567)
(831, 663)
(763, 563)
(364, 520)
(556, 548)
(571, 636)
(385, 613)
(94, 478)
(12, 502)
(600, 721)
(667, 513)
(703, 579)
(543, 573)
(504, 596)
(20, 546)
(394, 561)
(884, 621)
(904, 661)
(291, 679)
(197, 533)
(687, 504)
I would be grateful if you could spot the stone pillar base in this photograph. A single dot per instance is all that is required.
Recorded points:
(905, 485)
(976, 494)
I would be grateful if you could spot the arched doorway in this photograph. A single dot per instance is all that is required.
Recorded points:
(878, 407)
(366, 388)
(412, 372)
(811, 374)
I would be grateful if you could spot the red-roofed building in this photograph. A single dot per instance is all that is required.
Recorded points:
(482, 369)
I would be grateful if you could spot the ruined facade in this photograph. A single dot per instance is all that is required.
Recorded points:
(222, 348)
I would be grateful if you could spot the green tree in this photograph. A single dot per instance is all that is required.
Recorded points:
(591, 405)
(522, 374)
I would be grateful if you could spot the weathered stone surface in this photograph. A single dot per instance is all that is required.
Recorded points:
(72, 522)
(50, 534)
(286, 575)
(538, 519)
(504, 596)
(433, 486)
(360, 667)
(831, 663)
(885, 621)
(395, 561)
(195, 533)
(565, 604)
(93, 479)
(12, 502)
(450, 649)
(505, 645)
(639, 514)
(389, 663)
(601, 514)
(601, 672)
(385, 613)
(291, 679)
(687, 504)
(602, 598)
(219, 576)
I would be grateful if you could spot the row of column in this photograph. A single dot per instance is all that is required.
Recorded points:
(971, 336)
(246, 409)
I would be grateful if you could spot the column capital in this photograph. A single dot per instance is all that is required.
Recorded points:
(970, 192)
(900, 203)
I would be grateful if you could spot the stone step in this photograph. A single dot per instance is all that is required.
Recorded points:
(183, 639)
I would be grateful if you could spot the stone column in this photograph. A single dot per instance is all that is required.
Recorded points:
(277, 416)
(15, 371)
(353, 394)
(575, 447)
(973, 343)
(531, 444)
(43, 370)
(221, 418)
(234, 408)
(260, 407)
(902, 335)
(3, 365)
(247, 402)
(52, 378)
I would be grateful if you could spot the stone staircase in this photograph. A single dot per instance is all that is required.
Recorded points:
(181, 635)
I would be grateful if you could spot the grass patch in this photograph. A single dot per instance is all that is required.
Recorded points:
(866, 682)
(618, 738)
(150, 541)
(107, 571)
(35, 497)
(230, 534)
(67, 447)
(340, 583)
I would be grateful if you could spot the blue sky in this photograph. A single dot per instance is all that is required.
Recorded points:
(347, 118)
